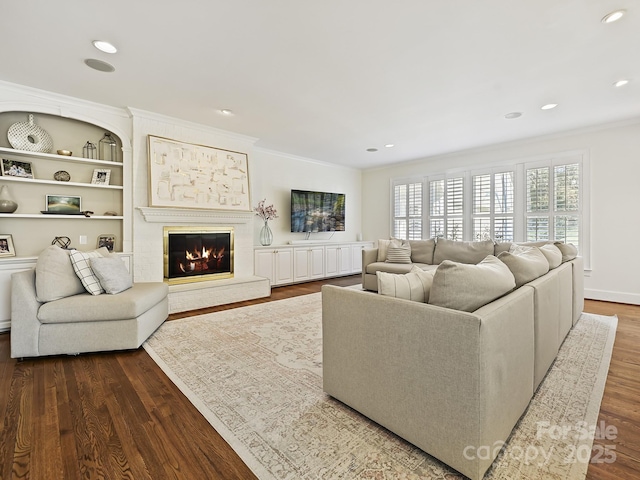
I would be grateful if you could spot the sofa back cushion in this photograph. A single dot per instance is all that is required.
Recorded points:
(468, 287)
(553, 254)
(526, 264)
(461, 252)
(569, 251)
(414, 285)
(422, 250)
(55, 278)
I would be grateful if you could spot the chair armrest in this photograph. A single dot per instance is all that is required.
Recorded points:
(25, 325)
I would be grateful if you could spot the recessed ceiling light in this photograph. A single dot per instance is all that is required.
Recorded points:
(372, 149)
(512, 115)
(226, 111)
(549, 106)
(621, 83)
(389, 145)
(105, 47)
(99, 65)
(613, 16)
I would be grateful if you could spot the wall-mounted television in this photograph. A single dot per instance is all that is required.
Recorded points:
(317, 211)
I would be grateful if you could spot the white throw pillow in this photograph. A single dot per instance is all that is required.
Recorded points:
(553, 254)
(466, 287)
(414, 285)
(527, 265)
(112, 274)
(81, 262)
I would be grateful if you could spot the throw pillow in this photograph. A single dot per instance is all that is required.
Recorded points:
(414, 285)
(82, 267)
(55, 277)
(422, 250)
(569, 251)
(400, 254)
(461, 252)
(526, 265)
(467, 287)
(383, 247)
(553, 254)
(112, 274)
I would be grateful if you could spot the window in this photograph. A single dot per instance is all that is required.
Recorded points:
(553, 209)
(407, 211)
(522, 201)
(493, 206)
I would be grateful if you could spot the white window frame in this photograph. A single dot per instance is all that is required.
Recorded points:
(520, 167)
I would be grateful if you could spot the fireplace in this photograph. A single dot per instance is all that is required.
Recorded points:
(193, 254)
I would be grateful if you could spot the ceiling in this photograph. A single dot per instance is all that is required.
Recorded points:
(328, 80)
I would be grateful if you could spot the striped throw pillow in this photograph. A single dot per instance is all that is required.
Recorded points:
(414, 285)
(399, 254)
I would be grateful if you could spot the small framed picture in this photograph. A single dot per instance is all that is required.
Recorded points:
(107, 240)
(101, 176)
(16, 168)
(6, 246)
(64, 204)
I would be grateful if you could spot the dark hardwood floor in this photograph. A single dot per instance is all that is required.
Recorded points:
(117, 416)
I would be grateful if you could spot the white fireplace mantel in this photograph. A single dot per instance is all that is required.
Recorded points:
(184, 215)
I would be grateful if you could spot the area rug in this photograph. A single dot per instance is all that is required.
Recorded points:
(255, 373)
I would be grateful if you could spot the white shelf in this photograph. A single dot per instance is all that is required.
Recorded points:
(53, 156)
(67, 217)
(56, 182)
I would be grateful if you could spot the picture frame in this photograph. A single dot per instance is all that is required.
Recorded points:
(107, 240)
(16, 168)
(63, 204)
(101, 176)
(6, 246)
(187, 175)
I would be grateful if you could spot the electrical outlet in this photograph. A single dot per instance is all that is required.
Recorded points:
(83, 239)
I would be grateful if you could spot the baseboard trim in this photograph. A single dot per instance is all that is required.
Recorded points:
(5, 325)
(609, 296)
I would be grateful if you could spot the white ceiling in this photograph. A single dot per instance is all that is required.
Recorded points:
(328, 79)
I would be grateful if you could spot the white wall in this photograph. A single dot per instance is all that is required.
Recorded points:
(273, 175)
(614, 153)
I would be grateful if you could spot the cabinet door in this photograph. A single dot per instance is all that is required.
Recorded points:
(356, 258)
(284, 266)
(264, 265)
(316, 262)
(331, 261)
(301, 264)
(344, 262)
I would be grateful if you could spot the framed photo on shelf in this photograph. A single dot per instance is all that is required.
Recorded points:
(107, 240)
(16, 168)
(6, 246)
(64, 204)
(101, 176)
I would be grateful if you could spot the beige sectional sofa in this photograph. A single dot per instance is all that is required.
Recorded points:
(448, 380)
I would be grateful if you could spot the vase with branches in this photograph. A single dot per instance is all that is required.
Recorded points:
(266, 213)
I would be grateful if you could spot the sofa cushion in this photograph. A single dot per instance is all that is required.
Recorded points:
(461, 252)
(99, 308)
(383, 247)
(82, 267)
(526, 264)
(553, 254)
(399, 254)
(422, 250)
(468, 287)
(55, 277)
(112, 274)
(414, 285)
(569, 251)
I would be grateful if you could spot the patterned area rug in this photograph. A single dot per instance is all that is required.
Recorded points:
(255, 373)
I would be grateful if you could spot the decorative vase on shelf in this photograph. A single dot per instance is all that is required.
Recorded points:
(7, 205)
(266, 236)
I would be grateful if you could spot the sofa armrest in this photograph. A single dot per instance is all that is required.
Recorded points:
(442, 379)
(25, 325)
(369, 256)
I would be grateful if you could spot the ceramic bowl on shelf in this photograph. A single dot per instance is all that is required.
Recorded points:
(66, 153)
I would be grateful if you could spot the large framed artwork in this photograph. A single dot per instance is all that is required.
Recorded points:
(185, 175)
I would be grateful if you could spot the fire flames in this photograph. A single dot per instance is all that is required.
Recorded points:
(198, 261)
